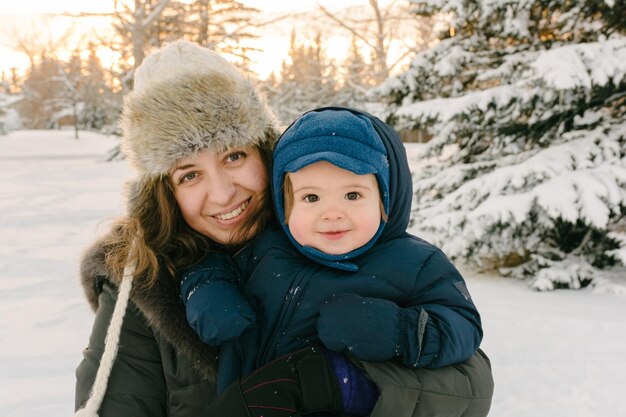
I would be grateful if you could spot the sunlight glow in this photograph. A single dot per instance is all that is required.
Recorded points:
(31, 7)
(36, 17)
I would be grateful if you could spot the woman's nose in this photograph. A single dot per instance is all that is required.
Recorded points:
(220, 189)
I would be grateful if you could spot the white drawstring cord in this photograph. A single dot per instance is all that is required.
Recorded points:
(111, 344)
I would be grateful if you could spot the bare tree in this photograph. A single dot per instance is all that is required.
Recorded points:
(38, 42)
(224, 25)
(133, 22)
(378, 28)
(42, 47)
(142, 25)
(133, 25)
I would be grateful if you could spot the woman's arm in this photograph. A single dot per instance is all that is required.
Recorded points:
(136, 386)
(304, 382)
(464, 389)
(300, 383)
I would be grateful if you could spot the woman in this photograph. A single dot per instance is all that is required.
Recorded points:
(187, 101)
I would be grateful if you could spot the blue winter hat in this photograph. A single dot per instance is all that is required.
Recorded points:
(346, 140)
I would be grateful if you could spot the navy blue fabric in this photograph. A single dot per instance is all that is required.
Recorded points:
(411, 289)
(432, 324)
(215, 308)
(358, 393)
(382, 316)
(346, 140)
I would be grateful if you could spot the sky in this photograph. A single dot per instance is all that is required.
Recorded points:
(47, 6)
(554, 354)
(22, 14)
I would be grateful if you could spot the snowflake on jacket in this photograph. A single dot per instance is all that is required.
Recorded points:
(395, 297)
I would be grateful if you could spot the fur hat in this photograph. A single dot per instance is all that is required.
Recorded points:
(188, 98)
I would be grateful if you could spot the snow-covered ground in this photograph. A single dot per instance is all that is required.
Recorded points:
(554, 354)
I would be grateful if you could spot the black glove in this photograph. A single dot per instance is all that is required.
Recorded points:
(300, 383)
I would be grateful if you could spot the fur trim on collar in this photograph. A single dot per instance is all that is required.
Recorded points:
(160, 306)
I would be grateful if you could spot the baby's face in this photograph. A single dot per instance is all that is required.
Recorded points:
(334, 210)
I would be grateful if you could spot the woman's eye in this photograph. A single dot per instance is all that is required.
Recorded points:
(311, 198)
(188, 177)
(235, 156)
(353, 195)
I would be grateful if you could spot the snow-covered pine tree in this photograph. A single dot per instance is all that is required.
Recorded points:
(306, 81)
(41, 90)
(9, 117)
(356, 77)
(3, 100)
(525, 102)
(100, 111)
(4, 87)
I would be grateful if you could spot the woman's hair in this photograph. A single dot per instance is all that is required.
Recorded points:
(263, 211)
(155, 237)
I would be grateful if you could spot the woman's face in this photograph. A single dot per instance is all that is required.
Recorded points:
(216, 191)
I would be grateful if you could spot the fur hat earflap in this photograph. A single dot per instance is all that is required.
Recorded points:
(188, 98)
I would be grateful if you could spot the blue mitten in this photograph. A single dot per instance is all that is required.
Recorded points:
(218, 312)
(368, 328)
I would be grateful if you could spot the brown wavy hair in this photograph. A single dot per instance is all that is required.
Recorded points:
(155, 237)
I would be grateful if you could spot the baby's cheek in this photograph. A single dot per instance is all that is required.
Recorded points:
(299, 230)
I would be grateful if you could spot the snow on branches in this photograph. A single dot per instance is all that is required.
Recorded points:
(526, 168)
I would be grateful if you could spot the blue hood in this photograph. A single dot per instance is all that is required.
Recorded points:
(396, 184)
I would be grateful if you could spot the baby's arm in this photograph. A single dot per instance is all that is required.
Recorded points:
(439, 325)
(215, 307)
(446, 324)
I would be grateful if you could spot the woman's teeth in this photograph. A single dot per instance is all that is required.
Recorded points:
(236, 212)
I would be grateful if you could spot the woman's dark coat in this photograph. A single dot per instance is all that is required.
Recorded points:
(162, 368)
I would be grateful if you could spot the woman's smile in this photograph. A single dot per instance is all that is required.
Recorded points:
(233, 213)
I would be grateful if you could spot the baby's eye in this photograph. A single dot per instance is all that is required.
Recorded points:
(311, 198)
(353, 195)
